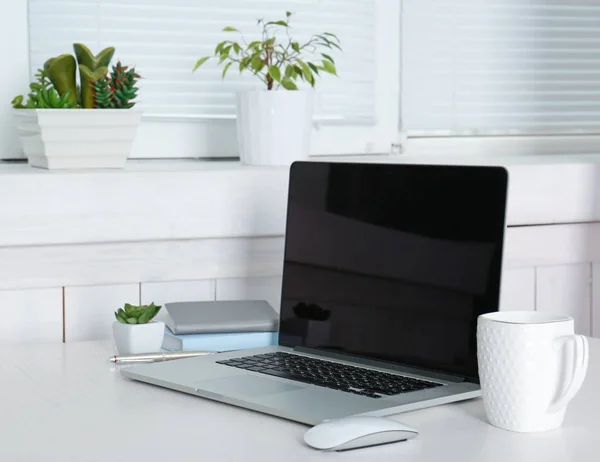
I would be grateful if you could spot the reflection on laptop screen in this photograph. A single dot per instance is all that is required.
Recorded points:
(393, 262)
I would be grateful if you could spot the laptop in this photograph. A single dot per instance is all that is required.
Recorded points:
(386, 269)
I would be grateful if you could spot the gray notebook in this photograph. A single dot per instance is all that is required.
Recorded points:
(220, 316)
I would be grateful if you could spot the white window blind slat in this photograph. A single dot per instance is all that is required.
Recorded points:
(483, 67)
(164, 38)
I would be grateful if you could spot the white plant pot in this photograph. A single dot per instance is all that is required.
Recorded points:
(77, 138)
(138, 338)
(274, 127)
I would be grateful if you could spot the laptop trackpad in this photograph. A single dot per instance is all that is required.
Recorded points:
(245, 386)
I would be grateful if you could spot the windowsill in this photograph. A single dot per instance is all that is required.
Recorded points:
(192, 199)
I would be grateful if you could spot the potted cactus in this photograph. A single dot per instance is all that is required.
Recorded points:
(64, 123)
(136, 331)
(274, 121)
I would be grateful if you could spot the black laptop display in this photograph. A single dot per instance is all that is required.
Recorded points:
(393, 262)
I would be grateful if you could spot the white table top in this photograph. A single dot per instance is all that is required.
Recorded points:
(67, 403)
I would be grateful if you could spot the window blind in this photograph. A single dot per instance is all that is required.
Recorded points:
(164, 38)
(501, 66)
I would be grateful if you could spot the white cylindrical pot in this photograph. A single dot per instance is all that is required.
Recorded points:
(138, 338)
(274, 127)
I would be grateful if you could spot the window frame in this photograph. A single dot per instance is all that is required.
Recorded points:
(423, 142)
(162, 137)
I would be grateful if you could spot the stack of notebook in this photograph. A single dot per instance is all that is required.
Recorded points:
(219, 326)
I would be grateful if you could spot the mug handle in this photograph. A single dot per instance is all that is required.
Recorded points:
(580, 364)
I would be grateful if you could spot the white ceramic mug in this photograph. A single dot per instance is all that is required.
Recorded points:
(531, 365)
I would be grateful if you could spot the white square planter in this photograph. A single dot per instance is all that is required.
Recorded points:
(138, 338)
(77, 138)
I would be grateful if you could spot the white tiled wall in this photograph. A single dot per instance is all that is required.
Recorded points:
(177, 291)
(31, 316)
(89, 309)
(518, 290)
(37, 314)
(595, 315)
(566, 289)
(268, 289)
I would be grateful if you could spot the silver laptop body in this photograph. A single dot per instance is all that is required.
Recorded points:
(421, 322)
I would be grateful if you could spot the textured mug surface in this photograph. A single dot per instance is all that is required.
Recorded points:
(530, 366)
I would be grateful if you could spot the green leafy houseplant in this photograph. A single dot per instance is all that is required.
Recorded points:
(133, 314)
(277, 63)
(56, 85)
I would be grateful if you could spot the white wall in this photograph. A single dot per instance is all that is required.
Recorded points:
(551, 268)
(208, 231)
(14, 78)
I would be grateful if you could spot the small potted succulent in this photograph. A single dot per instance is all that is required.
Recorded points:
(274, 122)
(135, 331)
(65, 124)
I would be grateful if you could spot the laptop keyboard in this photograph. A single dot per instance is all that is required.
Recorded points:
(351, 379)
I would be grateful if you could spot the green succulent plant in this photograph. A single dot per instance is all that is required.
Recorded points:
(43, 95)
(137, 314)
(91, 68)
(61, 72)
(102, 94)
(124, 81)
(56, 86)
(88, 77)
(118, 90)
(87, 58)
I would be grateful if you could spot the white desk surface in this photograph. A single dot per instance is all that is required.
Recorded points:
(67, 403)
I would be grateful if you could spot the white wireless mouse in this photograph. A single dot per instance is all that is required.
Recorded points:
(357, 432)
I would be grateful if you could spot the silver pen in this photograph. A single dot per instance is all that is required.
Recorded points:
(156, 357)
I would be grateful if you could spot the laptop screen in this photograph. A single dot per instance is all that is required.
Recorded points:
(393, 262)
